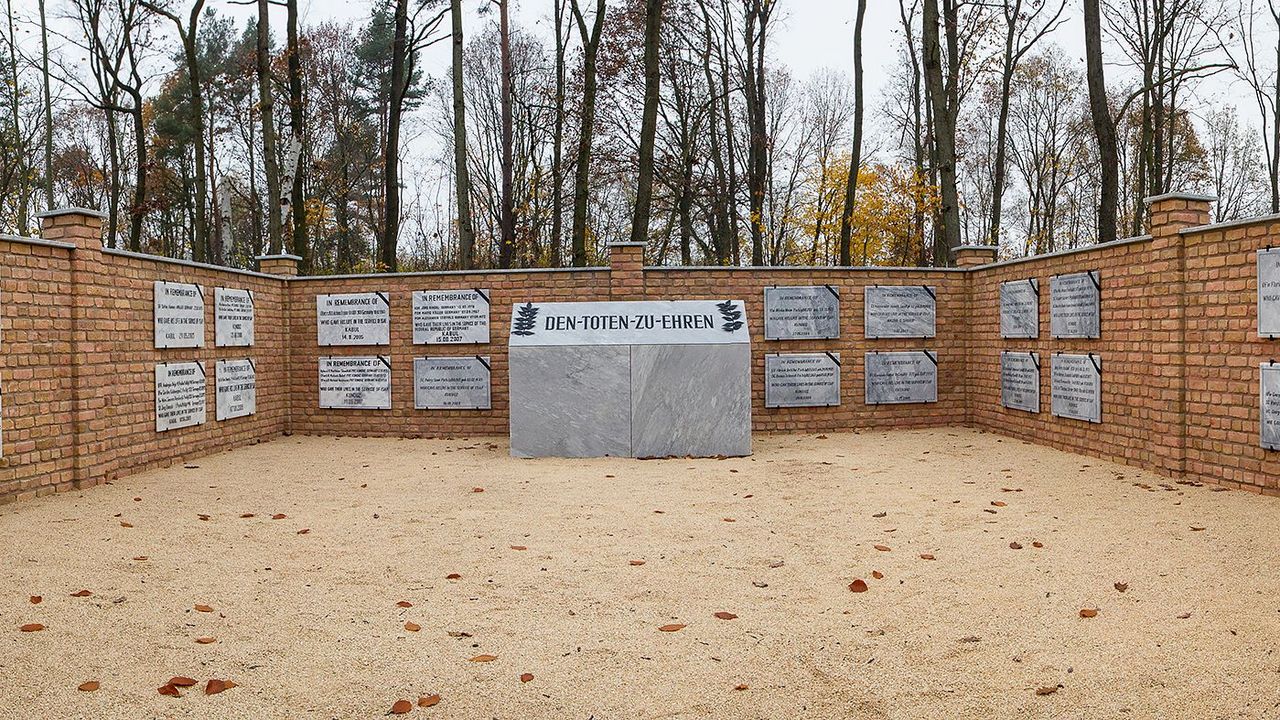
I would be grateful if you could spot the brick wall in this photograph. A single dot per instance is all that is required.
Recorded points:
(1179, 348)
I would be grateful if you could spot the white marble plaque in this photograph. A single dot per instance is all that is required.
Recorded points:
(900, 311)
(650, 322)
(450, 316)
(451, 383)
(1020, 380)
(180, 397)
(1075, 305)
(236, 389)
(1269, 293)
(801, 313)
(233, 315)
(362, 383)
(1076, 387)
(353, 319)
(1020, 309)
(1269, 425)
(901, 377)
(179, 315)
(802, 380)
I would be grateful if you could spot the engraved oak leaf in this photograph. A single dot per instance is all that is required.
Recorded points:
(731, 315)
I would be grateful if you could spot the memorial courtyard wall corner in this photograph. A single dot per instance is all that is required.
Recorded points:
(1176, 351)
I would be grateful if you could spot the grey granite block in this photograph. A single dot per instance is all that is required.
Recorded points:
(570, 401)
(690, 400)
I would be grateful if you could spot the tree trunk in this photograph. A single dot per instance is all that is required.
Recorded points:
(391, 158)
(757, 123)
(20, 202)
(266, 112)
(944, 129)
(297, 117)
(48, 110)
(507, 248)
(113, 190)
(138, 207)
(648, 122)
(1103, 124)
(462, 173)
(557, 142)
(855, 158)
(582, 172)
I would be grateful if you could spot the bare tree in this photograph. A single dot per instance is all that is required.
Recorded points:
(649, 121)
(1104, 127)
(855, 157)
(582, 172)
(462, 174)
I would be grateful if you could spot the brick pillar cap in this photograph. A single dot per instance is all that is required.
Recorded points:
(990, 248)
(628, 244)
(1190, 197)
(281, 256)
(72, 211)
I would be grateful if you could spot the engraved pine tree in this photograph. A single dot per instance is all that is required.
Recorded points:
(526, 316)
(731, 314)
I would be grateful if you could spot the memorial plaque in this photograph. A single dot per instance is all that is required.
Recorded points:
(180, 397)
(901, 377)
(179, 315)
(233, 315)
(236, 389)
(900, 311)
(801, 313)
(1020, 381)
(450, 316)
(362, 383)
(802, 380)
(353, 319)
(1075, 305)
(1269, 293)
(1020, 309)
(1076, 387)
(1270, 406)
(451, 383)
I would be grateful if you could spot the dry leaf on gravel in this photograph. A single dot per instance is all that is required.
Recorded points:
(526, 677)
(400, 707)
(858, 586)
(722, 615)
(673, 627)
(1088, 612)
(31, 627)
(89, 686)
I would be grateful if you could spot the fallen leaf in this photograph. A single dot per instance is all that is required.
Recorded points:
(89, 686)
(230, 684)
(428, 701)
(998, 503)
(729, 519)
(526, 677)
(206, 640)
(1088, 612)
(1046, 690)
(722, 615)
(401, 707)
(169, 690)
(31, 627)
(35, 599)
(877, 574)
(412, 627)
(1015, 545)
(880, 515)
(81, 593)
(203, 516)
(279, 516)
(483, 658)
(404, 604)
(519, 547)
(1184, 616)
(673, 627)
(214, 686)
(1037, 544)
(182, 681)
(927, 556)
(246, 515)
(1121, 587)
(740, 687)
(636, 563)
(883, 548)
(453, 576)
(140, 558)
(858, 586)
(124, 524)
(1196, 529)
(477, 489)
(304, 531)
(203, 608)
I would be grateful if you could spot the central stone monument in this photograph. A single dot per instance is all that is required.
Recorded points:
(633, 379)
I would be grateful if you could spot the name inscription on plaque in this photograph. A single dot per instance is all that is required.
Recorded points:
(1020, 380)
(180, 397)
(1076, 387)
(362, 383)
(179, 315)
(1075, 305)
(801, 313)
(450, 317)
(901, 377)
(802, 380)
(900, 311)
(233, 315)
(1270, 406)
(1269, 292)
(353, 319)
(451, 383)
(1020, 309)
(235, 389)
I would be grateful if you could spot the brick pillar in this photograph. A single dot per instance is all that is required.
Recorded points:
(626, 271)
(1166, 391)
(974, 255)
(92, 327)
(284, 265)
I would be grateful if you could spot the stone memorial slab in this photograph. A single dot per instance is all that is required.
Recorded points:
(233, 315)
(451, 383)
(235, 389)
(900, 311)
(450, 316)
(353, 319)
(1269, 424)
(362, 383)
(1076, 387)
(180, 396)
(1020, 380)
(178, 314)
(644, 379)
(901, 377)
(1020, 308)
(1269, 293)
(1075, 309)
(802, 380)
(801, 313)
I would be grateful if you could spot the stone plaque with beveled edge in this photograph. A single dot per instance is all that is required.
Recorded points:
(450, 317)
(900, 311)
(353, 319)
(1075, 309)
(451, 383)
(1269, 385)
(357, 382)
(1020, 380)
(233, 316)
(178, 311)
(1076, 387)
(802, 380)
(180, 395)
(235, 389)
(909, 376)
(1269, 293)
(801, 312)
(1020, 308)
